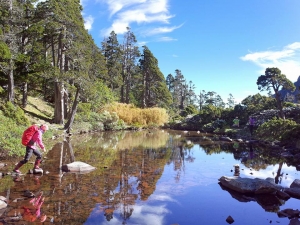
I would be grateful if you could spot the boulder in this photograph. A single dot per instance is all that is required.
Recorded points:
(3, 204)
(295, 184)
(248, 185)
(293, 192)
(78, 167)
(290, 213)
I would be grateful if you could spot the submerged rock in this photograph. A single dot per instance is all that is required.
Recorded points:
(229, 220)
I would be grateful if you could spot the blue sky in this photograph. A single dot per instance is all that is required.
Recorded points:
(219, 45)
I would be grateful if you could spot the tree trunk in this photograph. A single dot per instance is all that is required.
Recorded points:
(144, 91)
(11, 85)
(279, 105)
(69, 124)
(25, 94)
(59, 103)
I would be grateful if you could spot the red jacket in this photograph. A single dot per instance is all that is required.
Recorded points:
(37, 138)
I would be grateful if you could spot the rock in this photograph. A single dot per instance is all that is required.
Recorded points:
(226, 139)
(294, 221)
(2, 165)
(295, 184)
(293, 192)
(3, 204)
(2, 198)
(79, 167)
(282, 195)
(248, 185)
(290, 213)
(229, 220)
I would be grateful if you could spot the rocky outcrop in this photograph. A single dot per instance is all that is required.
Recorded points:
(249, 186)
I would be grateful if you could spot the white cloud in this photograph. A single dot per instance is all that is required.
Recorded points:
(161, 30)
(287, 60)
(124, 13)
(88, 22)
(166, 39)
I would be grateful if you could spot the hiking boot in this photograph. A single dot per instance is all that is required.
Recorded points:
(16, 169)
(37, 164)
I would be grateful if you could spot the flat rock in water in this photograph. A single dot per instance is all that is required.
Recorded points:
(77, 167)
(248, 185)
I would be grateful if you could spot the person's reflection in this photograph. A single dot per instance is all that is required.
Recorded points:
(251, 154)
(108, 213)
(32, 210)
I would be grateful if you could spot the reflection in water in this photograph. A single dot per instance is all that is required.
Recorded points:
(142, 177)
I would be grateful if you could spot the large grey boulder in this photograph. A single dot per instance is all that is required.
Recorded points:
(249, 186)
(78, 167)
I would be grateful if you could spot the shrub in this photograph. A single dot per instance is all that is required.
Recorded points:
(275, 129)
(15, 113)
(189, 110)
(138, 117)
(10, 139)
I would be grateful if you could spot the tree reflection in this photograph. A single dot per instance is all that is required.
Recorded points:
(129, 165)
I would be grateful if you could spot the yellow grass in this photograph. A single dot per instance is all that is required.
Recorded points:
(132, 115)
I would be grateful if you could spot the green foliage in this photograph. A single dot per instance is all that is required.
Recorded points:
(292, 135)
(274, 80)
(275, 129)
(10, 139)
(4, 51)
(289, 104)
(210, 113)
(15, 113)
(83, 112)
(189, 110)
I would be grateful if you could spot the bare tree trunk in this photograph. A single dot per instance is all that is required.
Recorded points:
(278, 174)
(25, 94)
(69, 124)
(144, 104)
(11, 85)
(279, 105)
(59, 103)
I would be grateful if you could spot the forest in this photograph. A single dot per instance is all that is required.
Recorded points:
(46, 53)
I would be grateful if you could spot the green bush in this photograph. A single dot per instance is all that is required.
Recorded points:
(275, 129)
(10, 139)
(15, 113)
(189, 110)
(83, 112)
(292, 136)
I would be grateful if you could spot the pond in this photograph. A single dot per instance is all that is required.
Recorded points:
(157, 177)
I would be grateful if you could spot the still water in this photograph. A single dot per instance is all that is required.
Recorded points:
(159, 177)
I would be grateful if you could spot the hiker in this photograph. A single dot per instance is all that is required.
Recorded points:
(32, 148)
(236, 122)
(32, 211)
(251, 124)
